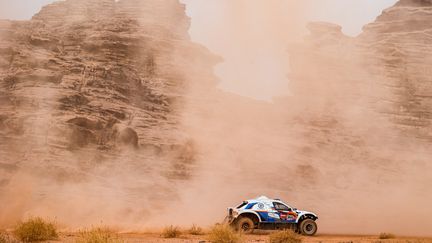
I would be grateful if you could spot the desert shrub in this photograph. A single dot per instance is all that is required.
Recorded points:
(285, 236)
(384, 236)
(171, 232)
(195, 230)
(6, 238)
(98, 235)
(36, 229)
(224, 234)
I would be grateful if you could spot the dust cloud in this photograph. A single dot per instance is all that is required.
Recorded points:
(245, 30)
(323, 145)
(331, 146)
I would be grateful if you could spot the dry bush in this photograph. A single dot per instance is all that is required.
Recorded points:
(6, 238)
(224, 234)
(285, 236)
(384, 236)
(36, 229)
(99, 235)
(196, 230)
(171, 232)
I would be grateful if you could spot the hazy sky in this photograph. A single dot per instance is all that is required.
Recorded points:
(20, 9)
(251, 35)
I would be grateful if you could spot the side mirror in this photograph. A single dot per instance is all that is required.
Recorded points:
(290, 210)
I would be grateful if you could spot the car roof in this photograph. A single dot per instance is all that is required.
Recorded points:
(263, 198)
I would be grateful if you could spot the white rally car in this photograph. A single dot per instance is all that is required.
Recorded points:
(266, 213)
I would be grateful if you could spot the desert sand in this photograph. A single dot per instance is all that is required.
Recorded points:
(263, 237)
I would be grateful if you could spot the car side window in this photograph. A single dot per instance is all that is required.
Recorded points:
(280, 206)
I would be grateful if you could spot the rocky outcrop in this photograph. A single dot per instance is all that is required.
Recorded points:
(414, 3)
(86, 81)
(364, 107)
(381, 74)
(401, 40)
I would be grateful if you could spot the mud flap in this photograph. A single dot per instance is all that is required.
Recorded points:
(228, 220)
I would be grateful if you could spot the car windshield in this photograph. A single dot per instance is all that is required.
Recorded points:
(242, 204)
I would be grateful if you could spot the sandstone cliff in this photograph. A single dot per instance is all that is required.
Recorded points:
(401, 41)
(93, 88)
(383, 73)
(365, 104)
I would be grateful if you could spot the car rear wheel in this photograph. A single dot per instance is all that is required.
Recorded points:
(308, 227)
(245, 225)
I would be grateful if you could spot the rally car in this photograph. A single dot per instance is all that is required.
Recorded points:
(266, 213)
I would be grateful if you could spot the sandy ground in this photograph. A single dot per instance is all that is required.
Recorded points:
(262, 237)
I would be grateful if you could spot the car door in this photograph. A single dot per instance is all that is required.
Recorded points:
(266, 212)
(285, 213)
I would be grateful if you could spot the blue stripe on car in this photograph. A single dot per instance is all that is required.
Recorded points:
(250, 205)
(264, 216)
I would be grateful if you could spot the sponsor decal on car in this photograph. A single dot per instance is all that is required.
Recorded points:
(273, 215)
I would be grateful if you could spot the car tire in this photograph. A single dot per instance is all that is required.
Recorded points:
(308, 227)
(245, 225)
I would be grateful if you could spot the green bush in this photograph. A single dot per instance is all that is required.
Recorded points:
(36, 229)
(384, 236)
(196, 230)
(98, 235)
(286, 236)
(171, 232)
(224, 234)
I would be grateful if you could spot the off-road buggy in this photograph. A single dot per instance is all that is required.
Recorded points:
(271, 214)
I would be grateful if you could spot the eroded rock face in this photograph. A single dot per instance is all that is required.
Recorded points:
(364, 104)
(414, 3)
(400, 39)
(90, 83)
(383, 73)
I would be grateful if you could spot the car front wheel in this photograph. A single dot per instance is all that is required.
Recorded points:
(308, 227)
(245, 225)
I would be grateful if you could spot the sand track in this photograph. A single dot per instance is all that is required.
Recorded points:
(262, 237)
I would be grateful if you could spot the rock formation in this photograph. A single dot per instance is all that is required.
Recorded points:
(400, 39)
(383, 73)
(90, 83)
(365, 108)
